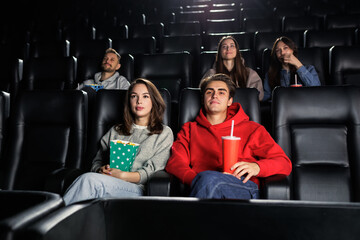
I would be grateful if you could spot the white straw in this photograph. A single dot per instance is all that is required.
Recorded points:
(295, 79)
(232, 127)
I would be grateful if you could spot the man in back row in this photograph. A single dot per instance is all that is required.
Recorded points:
(109, 78)
(197, 153)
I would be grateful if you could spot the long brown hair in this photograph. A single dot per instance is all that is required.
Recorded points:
(239, 74)
(275, 65)
(157, 111)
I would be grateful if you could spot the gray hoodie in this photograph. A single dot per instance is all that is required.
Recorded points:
(116, 81)
(153, 153)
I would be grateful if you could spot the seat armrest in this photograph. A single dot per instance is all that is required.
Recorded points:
(276, 187)
(159, 184)
(59, 180)
(165, 184)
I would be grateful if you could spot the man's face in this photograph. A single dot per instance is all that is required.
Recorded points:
(110, 63)
(217, 97)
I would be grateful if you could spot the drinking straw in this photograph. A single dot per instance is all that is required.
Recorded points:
(295, 79)
(232, 127)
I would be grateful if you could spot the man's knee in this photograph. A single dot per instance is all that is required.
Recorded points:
(207, 177)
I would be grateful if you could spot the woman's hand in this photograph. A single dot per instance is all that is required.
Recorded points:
(114, 172)
(133, 177)
(249, 169)
(291, 59)
(105, 170)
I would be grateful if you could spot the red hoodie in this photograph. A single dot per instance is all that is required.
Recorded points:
(198, 147)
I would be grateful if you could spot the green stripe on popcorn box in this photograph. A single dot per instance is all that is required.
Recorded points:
(122, 154)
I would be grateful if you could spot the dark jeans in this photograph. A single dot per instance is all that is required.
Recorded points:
(212, 184)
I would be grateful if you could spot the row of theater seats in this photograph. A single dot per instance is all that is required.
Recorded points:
(182, 40)
(173, 70)
(131, 14)
(317, 127)
(106, 28)
(179, 218)
(156, 30)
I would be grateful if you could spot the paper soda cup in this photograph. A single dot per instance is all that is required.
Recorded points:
(230, 147)
(122, 154)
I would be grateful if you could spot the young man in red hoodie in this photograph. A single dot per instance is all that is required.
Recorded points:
(197, 153)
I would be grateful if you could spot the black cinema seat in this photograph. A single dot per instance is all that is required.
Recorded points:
(168, 70)
(318, 128)
(106, 30)
(135, 46)
(261, 25)
(327, 39)
(21, 208)
(183, 28)
(49, 73)
(345, 65)
(222, 26)
(244, 39)
(343, 21)
(4, 121)
(84, 47)
(172, 218)
(189, 43)
(301, 23)
(49, 49)
(148, 30)
(47, 133)
(12, 68)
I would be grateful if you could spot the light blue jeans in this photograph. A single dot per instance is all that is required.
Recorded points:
(96, 185)
(212, 184)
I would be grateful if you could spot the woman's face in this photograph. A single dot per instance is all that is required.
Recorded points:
(282, 50)
(228, 49)
(140, 102)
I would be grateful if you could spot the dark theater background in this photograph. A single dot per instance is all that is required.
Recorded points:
(50, 131)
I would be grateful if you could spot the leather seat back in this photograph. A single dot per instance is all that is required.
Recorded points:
(190, 104)
(47, 133)
(319, 129)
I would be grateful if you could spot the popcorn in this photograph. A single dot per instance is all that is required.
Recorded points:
(96, 87)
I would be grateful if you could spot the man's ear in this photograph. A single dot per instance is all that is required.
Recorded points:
(230, 101)
(118, 66)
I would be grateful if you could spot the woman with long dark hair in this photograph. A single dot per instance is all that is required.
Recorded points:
(230, 62)
(143, 114)
(286, 69)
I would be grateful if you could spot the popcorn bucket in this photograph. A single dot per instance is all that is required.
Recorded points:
(96, 87)
(122, 154)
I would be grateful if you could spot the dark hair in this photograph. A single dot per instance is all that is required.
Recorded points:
(218, 77)
(276, 65)
(239, 74)
(157, 111)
